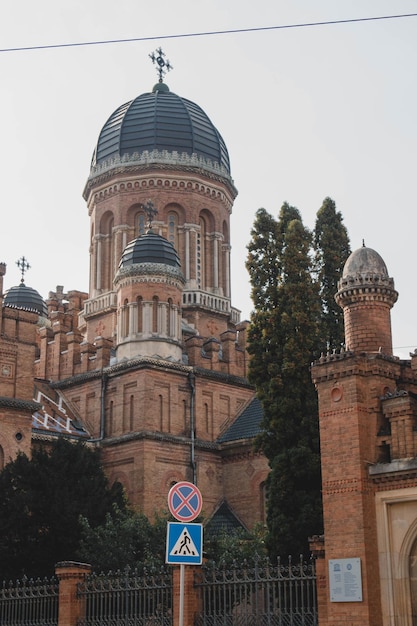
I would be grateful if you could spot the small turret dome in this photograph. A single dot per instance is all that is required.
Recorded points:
(363, 262)
(150, 248)
(23, 297)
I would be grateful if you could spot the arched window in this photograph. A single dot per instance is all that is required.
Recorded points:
(125, 319)
(155, 307)
(169, 322)
(131, 412)
(173, 229)
(161, 413)
(413, 581)
(201, 253)
(111, 425)
(140, 224)
(185, 414)
(225, 261)
(139, 303)
(206, 417)
(105, 253)
(110, 251)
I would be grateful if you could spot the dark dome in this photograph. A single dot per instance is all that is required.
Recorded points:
(24, 297)
(160, 120)
(150, 248)
(365, 261)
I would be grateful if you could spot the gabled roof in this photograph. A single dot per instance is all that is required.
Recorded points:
(247, 425)
(223, 520)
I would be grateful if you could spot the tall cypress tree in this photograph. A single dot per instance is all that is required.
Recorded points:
(283, 340)
(332, 248)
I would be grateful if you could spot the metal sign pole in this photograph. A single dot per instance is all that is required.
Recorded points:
(182, 569)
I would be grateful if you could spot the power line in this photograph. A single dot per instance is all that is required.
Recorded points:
(207, 33)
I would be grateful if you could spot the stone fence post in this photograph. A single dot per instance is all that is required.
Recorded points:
(71, 607)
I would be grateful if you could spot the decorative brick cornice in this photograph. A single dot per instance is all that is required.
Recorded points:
(149, 435)
(346, 485)
(399, 469)
(366, 288)
(193, 166)
(242, 455)
(149, 272)
(149, 363)
(344, 364)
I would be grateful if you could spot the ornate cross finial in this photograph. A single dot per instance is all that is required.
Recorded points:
(150, 211)
(164, 67)
(24, 266)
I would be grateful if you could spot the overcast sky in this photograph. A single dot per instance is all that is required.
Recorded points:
(305, 112)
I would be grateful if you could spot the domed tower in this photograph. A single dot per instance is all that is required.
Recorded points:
(366, 294)
(23, 297)
(149, 285)
(163, 148)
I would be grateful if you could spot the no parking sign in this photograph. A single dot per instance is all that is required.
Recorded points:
(185, 501)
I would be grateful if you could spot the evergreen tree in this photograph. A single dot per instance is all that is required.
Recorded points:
(332, 248)
(125, 538)
(283, 340)
(41, 500)
(263, 261)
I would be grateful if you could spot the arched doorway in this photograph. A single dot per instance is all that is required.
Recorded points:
(413, 582)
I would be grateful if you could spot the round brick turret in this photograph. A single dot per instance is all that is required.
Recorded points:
(366, 294)
(149, 285)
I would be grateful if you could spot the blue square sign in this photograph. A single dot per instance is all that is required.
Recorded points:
(184, 544)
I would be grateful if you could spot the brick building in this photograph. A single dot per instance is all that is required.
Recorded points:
(368, 431)
(151, 364)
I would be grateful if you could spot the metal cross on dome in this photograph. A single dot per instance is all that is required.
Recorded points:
(164, 66)
(150, 210)
(24, 266)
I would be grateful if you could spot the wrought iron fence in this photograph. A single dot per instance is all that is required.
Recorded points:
(29, 602)
(258, 593)
(127, 598)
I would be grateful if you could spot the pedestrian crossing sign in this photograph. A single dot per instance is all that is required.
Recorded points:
(184, 544)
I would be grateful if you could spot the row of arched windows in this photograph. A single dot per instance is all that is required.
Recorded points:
(210, 268)
(154, 317)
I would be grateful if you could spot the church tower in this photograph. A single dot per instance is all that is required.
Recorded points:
(151, 364)
(162, 148)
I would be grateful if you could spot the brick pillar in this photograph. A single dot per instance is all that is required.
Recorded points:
(191, 604)
(71, 608)
(318, 552)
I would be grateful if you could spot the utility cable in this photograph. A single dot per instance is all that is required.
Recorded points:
(206, 33)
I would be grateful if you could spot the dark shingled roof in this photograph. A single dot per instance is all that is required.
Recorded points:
(150, 248)
(223, 520)
(247, 424)
(161, 121)
(23, 297)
